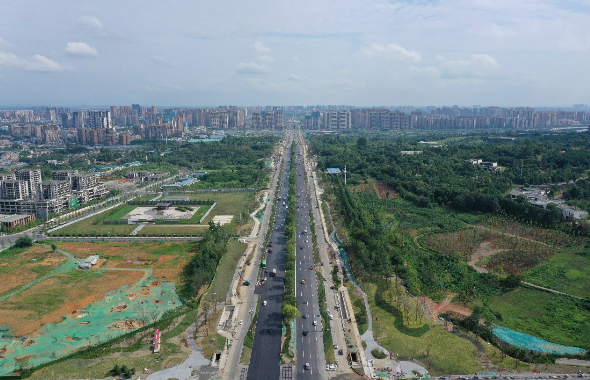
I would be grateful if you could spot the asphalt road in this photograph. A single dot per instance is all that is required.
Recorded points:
(265, 358)
(309, 327)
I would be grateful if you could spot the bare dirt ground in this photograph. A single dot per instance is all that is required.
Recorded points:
(445, 306)
(18, 271)
(167, 267)
(384, 191)
(484, 250)
(77, 295)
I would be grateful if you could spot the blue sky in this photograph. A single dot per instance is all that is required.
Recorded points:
(263, 52)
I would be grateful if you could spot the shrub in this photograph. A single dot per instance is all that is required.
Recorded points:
(378, 354)
(23, 242)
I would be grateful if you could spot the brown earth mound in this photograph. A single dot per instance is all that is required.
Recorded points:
(445, 306)
(384, 191)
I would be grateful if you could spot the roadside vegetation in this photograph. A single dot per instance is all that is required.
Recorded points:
(438, 226)
(290, 307)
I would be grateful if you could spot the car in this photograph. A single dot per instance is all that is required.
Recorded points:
(332, 287)
(264, 302)
(335, 346)
(331, 317)
(315, 323)
(311, 267)
(341, 352)
(304, 316)
(241, 322)
(303, 281)
(305, 332)
(307, 366)
(300, 247)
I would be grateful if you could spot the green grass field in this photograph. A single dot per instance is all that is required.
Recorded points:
(441, 351)
(227, 203)
(566, 272)
(225, 271)
(94, 226)
(555, 318)
(236, 204)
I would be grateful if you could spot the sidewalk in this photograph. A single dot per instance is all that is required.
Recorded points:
(340, 328)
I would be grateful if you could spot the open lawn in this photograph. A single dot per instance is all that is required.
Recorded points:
(225, 271)
(171, 353)
(441, 351)
(567, 272)
(555, 318)
(165, 259)
(19, 266)
(94, 226)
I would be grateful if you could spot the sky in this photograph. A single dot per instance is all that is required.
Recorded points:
(295, 52)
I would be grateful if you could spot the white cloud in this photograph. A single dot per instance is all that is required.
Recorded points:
(162, 61)
(392, 50)
(43, 64)
(81, 49)
(3, 43)
(266, 58)
(476, 66)
(251, 68)
(35, 63)
(91, 22)
(296, 78)
(10, 59)
(260, 48)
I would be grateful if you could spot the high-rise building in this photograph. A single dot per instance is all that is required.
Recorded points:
(78, 119)
(337, 120)
(99, 120)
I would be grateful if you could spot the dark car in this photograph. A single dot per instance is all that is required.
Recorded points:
(341, 352)
(305, 332)
(304, 316)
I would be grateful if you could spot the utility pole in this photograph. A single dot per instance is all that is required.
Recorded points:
(344, 175)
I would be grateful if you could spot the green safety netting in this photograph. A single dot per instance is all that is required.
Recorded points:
(121, 311)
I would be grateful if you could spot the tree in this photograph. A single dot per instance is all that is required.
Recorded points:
(23, 242)
(290, 313)
(53, 247)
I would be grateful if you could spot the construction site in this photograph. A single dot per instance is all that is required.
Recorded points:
(122, 310)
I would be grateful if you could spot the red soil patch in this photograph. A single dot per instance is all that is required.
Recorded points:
(384, 191)
(445, 306)
(77, 295)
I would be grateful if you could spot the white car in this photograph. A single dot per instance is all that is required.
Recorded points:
(331, 317)
(241, 322)
(315, 323)
(264, 302)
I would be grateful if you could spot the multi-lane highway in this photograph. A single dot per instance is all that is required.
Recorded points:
(309, 342)
(265, 358)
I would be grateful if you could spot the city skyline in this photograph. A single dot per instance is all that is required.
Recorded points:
(527, 53)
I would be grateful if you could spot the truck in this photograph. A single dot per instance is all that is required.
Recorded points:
(247, 282)
(273, 273)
